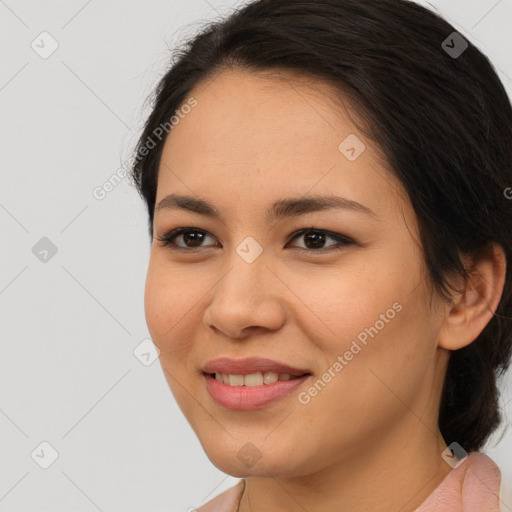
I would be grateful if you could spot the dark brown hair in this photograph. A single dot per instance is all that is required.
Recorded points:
(443, 121)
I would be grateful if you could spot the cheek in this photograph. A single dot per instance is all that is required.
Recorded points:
(375, 320)
(338, 305)
(168, 303)
(376, 383)
(387, 358)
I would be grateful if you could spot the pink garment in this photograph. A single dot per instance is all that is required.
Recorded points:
(471, 487)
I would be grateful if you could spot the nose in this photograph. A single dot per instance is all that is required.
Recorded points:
(248, 298)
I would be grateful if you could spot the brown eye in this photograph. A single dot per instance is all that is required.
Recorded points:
(315, 239)
(191, 238)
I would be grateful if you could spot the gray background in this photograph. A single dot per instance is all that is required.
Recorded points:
(70, 325)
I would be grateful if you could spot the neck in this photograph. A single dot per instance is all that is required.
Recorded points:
(396, 475)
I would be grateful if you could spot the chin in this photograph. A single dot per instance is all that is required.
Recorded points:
(246, 459)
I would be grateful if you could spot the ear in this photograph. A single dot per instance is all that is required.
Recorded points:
(475, 306)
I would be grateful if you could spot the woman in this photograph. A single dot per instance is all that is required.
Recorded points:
(329, 283)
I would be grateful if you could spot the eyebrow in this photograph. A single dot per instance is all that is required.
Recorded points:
(283, 208)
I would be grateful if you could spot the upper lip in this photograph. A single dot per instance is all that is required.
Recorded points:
(250, 365)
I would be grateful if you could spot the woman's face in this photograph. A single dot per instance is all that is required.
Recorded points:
(354, 316)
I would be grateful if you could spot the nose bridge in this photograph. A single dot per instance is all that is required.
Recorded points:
(247, 266)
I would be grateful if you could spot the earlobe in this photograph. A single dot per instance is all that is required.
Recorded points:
(475, 306)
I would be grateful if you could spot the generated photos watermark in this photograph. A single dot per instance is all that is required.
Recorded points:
(355, 348)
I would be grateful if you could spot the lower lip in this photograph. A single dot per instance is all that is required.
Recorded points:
(251, 397)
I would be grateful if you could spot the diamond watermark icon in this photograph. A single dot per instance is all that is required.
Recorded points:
(352, 147)
(44, 45)
(249, 455)
(249, 249)
(454, 455)
(44, 250)
(44, 455)
(454, 45)
(146, 352)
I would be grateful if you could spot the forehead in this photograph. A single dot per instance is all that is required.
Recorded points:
(268, 106)
(257, 135)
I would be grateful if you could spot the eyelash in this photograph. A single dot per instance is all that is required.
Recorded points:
(167, 240)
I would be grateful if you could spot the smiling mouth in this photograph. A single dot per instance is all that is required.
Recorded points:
(254, 379)
(253, 391)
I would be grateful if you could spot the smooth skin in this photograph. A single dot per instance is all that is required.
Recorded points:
(369, 439)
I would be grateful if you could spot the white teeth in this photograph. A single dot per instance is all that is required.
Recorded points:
(236, 380)
(270, 377)
(253, 379)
